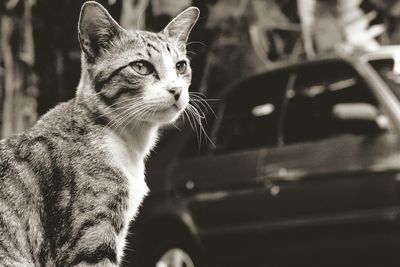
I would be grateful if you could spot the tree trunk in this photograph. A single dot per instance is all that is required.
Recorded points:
(19, 109)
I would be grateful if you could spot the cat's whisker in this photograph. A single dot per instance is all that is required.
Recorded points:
(201, 103)
(119, 120)
(133, 99)
(136, 118)
(202, 96)
(113, 110)
(186, 112)
(131, 112)
(139, 115)
(193, 117)
(122, 114)
(200, 110)
(176, 127)
(196, 98)
(196, 42)
(195, 112)
(114, 123)
(206, 99)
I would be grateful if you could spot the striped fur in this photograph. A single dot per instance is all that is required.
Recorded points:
(70, 185)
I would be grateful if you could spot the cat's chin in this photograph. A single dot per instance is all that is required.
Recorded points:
(165, 116)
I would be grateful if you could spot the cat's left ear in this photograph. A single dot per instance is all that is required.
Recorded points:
(96, 29)
(179, 28)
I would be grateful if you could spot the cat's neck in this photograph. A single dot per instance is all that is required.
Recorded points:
(139, 140)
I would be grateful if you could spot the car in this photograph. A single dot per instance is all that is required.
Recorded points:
(302, 169)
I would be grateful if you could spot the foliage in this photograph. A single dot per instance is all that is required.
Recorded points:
(337, 26)
(357, 32)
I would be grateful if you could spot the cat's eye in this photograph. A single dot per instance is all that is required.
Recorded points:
(181, 67)
(142, 67)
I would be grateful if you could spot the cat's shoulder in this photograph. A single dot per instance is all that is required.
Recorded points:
(58, 115)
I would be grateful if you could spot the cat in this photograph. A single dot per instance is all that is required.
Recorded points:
(70, 185)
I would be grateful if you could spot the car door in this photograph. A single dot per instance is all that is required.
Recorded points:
(334, 176)
(222, 189)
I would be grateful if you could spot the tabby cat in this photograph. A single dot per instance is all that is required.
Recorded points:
(70, 185)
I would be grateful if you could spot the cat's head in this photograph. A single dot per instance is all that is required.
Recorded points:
(138, 75)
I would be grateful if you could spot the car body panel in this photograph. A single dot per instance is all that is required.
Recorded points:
(341, 200)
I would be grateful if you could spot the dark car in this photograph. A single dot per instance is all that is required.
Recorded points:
(303, 170)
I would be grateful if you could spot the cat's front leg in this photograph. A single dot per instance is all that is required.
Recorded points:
(94, 244)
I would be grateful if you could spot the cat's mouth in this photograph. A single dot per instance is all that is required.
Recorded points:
(175, 107)
(179, 107)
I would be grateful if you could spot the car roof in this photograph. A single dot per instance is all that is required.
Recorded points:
(363, 56)
(284, 68)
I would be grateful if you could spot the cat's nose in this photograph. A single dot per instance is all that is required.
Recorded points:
(176, 92)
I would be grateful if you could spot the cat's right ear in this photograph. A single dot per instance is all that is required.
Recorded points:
(96, 28)
(179, 28)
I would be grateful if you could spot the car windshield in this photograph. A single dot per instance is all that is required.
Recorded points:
(385, 69)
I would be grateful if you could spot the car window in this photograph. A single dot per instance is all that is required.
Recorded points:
(326, 101)
(251, 114)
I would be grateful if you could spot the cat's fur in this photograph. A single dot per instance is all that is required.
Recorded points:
(70, 185)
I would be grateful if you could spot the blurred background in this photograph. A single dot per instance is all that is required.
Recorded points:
(301, 168)
(40, 55)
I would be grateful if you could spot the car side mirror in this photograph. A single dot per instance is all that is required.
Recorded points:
(365, 116)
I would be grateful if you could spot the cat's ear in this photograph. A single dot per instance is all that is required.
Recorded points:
(96, 28)
(179, 28)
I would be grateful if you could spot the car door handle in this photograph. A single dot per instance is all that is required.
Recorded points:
(272, 179)
(284, 174)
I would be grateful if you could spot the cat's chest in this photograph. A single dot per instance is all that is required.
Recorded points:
(131, 164)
